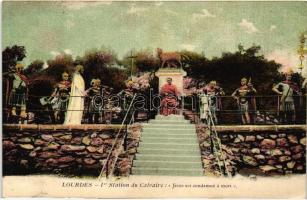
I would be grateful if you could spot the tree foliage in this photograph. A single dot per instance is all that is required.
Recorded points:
(34, 68)
(192, 62)
(44, 80)
(103, 64)
(145, 61)
(12, 55)
(61, 63)
(231, 67)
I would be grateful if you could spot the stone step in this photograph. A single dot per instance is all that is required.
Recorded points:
(191, 140)
(180, 125)
(169, 129)
(170, 117)
(167, 164)
(167, 135)
(170, 122)
(170, 152)
(166, 172)
(165, 130)
(190, 158)
(168, 145)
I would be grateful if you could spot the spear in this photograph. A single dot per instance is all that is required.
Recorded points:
(253, 99)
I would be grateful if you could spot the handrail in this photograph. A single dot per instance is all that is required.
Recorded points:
(131, 121)
(223, 98)
(212, 128)
(228, 105)
(114, 142)
(122, 143)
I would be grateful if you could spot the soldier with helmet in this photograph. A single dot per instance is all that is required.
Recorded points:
(60, 98)
(18, 94)
(96, 101)
(243, 96)
(127, 96)
(287, 89)
(213, 91)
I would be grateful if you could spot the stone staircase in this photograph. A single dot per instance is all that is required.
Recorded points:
(168, 147)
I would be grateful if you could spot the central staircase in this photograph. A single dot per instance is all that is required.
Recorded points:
(168, 147)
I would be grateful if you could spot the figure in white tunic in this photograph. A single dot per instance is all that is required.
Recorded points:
(76, 100)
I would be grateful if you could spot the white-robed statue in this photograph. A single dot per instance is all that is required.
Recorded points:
(76, 99)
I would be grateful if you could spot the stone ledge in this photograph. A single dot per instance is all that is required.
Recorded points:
(259, 128)
(219, 128)
(62, 127)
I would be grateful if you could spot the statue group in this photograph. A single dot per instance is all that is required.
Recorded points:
(69, 99)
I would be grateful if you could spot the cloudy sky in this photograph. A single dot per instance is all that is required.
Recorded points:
(46, 28)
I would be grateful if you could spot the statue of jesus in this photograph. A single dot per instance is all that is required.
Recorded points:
(76, 100)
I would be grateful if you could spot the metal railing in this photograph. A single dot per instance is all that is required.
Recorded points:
(105, 169)
(265, 111)
(217, 146)
(266, 107)
(38, 113)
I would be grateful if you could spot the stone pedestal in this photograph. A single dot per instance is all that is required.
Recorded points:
(176, 75)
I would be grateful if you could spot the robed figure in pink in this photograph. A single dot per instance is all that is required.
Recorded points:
(169, 101)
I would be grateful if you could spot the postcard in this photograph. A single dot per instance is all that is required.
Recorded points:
(154, 99)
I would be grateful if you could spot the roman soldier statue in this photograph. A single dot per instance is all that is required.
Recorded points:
(18, 94)
(95, 107)
(60, 98)
(211, 101)
(286, 107)
(244, 98)
(127, 96)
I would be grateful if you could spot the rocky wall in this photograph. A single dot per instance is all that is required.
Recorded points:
(66, 152)
(256, 153)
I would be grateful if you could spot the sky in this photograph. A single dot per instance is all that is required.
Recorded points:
(47, 28)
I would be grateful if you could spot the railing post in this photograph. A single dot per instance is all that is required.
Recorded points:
(211, 137)
(264, 117)
(125, 138)
(182, 104)
(107, 168)
(278, 106)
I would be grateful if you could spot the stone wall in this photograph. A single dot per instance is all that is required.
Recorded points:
(84, 152)
(257, 153)
(125, 160)
(68, 152)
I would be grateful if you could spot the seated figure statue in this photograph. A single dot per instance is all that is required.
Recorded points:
(170, 96)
